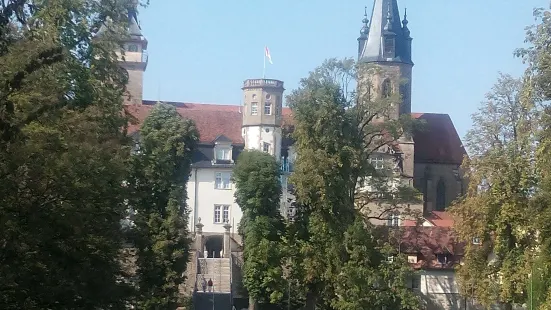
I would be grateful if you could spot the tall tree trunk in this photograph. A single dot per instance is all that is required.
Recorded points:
(252, 304)
(311, 299)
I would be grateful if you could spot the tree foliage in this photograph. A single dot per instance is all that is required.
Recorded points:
(62, 157)
(335, 133)
(258, 191)
(496, 208)
(538, 57)
(160, 171)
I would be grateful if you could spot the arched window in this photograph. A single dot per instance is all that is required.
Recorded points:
(441, 196)
(386, 88)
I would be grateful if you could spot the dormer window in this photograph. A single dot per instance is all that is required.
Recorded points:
(222, 154)
(254, 108)
(267, 108)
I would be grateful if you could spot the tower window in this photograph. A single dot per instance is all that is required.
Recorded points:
(266, 147)
(277, 110)
(132, 48)
(267, 108)
(441, 196)
(389, 47)
(268, 96)
(254, 108)
(386, 88)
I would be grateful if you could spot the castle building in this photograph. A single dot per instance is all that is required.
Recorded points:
(430, 159)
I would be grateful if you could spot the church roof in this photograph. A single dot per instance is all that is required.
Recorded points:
(437, 142)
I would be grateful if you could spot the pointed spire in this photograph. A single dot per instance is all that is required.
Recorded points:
(385, 23)
(388, 26)
(405, 23)
(365, 28)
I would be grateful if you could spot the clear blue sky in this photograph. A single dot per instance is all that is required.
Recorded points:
(201, 51)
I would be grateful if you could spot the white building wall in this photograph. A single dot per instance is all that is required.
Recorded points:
(440, 291)
(255, 136)
(203, 196)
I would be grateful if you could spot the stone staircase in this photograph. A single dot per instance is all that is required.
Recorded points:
(217, 269)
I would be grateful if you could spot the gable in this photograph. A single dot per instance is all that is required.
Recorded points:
(437, 141)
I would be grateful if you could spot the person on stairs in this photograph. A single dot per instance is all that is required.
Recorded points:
(210, 285)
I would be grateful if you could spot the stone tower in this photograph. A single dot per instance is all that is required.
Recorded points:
(132, 56)
(384, 56)
(262, 108)
(384, 53)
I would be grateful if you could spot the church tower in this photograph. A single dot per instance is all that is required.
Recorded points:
(132, 56)
(384, 53)
(262, 108)
(384, 57)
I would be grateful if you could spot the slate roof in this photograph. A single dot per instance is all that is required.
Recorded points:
(438, 142)
(373, 49)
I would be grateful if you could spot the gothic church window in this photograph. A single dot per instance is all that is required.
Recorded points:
(386, 88)
(441, 196)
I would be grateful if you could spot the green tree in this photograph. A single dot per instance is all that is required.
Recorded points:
(335, 132)
(496, 208)
(161, 166)
(62, 157)
(258, 191)
(538, 57)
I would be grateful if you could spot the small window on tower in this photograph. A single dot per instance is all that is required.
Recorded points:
(387, 88)
(267, 108)
(132, 48)
(389, 48)
(254, 108)
(266, 147)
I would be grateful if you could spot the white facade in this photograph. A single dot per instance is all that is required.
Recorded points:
(263, 138)
(211, 198)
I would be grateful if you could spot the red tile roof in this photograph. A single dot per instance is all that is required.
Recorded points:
(427, 242)
(438, 142)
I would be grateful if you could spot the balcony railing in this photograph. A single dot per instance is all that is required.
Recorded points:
(286, 165)
(263, 82)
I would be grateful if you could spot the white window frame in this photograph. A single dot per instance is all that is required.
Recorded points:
(226, 153)
(225, 214)
(267, 108)
(222, 180)
(217, 218)
(393, 220)
(377, 161)
(254, 108)
(266, 147)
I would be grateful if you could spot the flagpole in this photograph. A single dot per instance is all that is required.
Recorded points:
(264, 68)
